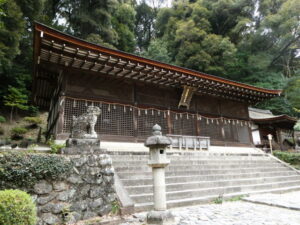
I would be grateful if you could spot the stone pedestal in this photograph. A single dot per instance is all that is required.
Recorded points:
(75, 146)
(160, 217)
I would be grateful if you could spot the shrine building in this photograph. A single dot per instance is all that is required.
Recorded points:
(134, 93)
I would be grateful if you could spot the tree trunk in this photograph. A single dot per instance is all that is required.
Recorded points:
(11, 114)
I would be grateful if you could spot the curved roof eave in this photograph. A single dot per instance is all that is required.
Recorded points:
(90, 46)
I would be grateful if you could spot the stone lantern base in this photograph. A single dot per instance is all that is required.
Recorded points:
(160, 217)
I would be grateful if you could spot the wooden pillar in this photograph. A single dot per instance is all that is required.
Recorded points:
(279, 138)
(135, 123)
(60, 121)
(169, 122)
(250, 133)
(198, 127)
(135, 114)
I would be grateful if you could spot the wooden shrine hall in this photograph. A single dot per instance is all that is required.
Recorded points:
(134, 93)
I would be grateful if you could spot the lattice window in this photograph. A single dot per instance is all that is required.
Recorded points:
(119, 120)
(113, 120)
(230, 132)
(147, 118)
(243, 134)
(184, 124)
(211, 128)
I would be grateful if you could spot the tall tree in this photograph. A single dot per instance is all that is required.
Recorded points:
(15, 100)
(188, 33)
(124, 24)
(144, 26)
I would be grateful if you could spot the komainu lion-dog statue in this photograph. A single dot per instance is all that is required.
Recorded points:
(83, 126)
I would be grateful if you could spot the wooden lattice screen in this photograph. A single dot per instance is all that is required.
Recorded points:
(129, 121)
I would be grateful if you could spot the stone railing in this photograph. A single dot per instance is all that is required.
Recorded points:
(183, 142)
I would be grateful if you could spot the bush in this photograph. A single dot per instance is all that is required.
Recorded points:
(33, 120)
(55, 148)
(18, 170)
(27, 142)
(17, 208)
(288, 157)
(2, 119)
(18, 131)
(33, 110)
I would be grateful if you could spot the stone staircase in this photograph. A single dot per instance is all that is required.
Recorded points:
(200, 177)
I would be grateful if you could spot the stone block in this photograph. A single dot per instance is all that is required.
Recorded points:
(94, 170)
(79, 206)
(75, 179)
(96, 192)
(66, 195)
(89, 214)
(104, 210)
(110, 197)
(49, 218)
(46, 199)
(60, 186)
(84, 190)
(80, 161)
(160, 217)
(96, 203)
(60, 207)
(92, 160)
(77, 142)
(42, 187)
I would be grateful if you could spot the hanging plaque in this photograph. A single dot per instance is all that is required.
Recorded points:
(186, 96)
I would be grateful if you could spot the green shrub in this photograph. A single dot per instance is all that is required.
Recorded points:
(2, 119)
(115, 207)
(288, 157)
(18, 131)
(33, 120)
(218, 200)
(19, 169)
(33, 110)
(55, 148)
(17, 208)
(236, 198)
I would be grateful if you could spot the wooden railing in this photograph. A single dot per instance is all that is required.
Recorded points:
(183, 142)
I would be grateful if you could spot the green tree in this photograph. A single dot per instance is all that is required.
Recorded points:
(11, 33)
(188, 32)
(157, 50)
(292, 92)
(91, 17)
(15, 100)
(124, 23)
(144, 25)
(2, 11)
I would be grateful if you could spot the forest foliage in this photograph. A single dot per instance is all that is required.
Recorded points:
(252, 41)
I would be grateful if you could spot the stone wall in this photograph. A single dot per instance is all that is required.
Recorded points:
(87, 192)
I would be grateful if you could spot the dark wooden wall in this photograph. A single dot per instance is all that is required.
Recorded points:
(107, 89)
(134, 125)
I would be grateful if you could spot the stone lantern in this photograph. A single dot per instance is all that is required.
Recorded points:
(158, 161)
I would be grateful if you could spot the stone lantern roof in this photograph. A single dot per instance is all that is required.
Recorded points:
(157, 139)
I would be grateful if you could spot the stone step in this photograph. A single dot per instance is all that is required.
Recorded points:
(139, 207)
(140, 174)
(188, 167)
(189, 178)
(205, 157)
(194, 162)
(194, 178)
(201, 192)
(210, 184)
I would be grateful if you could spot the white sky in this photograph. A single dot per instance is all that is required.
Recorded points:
(162, 3)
